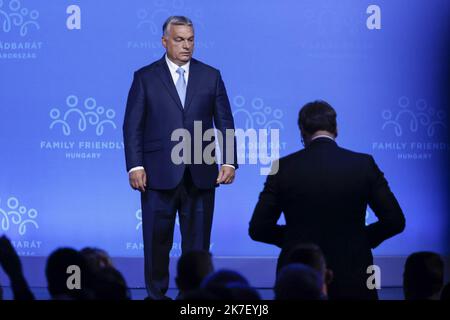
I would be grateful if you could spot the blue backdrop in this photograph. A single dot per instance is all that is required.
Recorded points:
(65, 72)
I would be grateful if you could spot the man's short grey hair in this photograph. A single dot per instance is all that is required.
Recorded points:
(177, 21)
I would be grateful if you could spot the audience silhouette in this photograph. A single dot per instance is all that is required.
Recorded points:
(303, 276)
(423, 276)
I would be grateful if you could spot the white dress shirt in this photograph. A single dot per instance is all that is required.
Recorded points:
(322, 136)
(173, 70)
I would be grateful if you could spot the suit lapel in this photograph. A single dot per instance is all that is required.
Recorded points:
(166, 78)
(192, 83)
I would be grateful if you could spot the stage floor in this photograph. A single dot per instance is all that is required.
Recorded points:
(388, 293)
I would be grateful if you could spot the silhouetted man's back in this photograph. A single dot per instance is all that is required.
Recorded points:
(323, 191)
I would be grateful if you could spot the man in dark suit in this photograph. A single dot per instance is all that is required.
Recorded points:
(176, 93)
(323, 191)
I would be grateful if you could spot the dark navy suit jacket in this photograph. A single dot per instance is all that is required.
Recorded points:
(154, 111)
(324, 191)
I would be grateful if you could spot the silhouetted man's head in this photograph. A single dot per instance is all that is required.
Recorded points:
(225, 278)
(229, 285)
(298, 281)
(57, 274)
(96, 258)
(311, 255)
(316, 118)
(109, 284)
(192, 268)
(423, 276)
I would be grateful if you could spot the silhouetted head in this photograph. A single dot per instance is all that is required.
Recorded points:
(229, 285)
(192, 268)
(224, 278)
(243, 292)
(311, 255)
(109, 284)
(317, 118)
(423, 276)
(96, 258)
(62, 264)
(298, 282)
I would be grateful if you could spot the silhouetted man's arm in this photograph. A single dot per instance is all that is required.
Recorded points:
(10, 262)
(382, 201)
(263, 225)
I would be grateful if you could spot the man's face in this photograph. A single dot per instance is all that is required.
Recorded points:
(179, 44)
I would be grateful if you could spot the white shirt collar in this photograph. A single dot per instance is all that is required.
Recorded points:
(322, 136)
(174, 67)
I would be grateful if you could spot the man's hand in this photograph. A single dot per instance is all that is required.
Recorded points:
(226, 175)
(138, 180)
(9, 258)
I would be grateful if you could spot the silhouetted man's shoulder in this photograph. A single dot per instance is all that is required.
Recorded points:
(355, 154)
(292, 157)
(289, 161)
(298, 155)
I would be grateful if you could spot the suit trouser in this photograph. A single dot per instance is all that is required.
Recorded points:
(159, 208)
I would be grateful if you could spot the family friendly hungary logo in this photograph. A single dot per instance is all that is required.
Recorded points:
(82, 129)
(407, 118)
(148, 19)
(257, 114)
(15, 17)
(19, 222)
(415, 130)
(149, 23)
(258, 127)
(19, 28)
(81, 117)
(18, 215)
